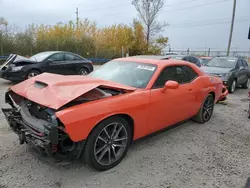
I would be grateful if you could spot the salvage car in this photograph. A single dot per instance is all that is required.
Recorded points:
(233, 71)
(18, 68)
(96, 117)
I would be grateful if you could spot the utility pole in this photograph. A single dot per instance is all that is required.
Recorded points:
(77, 18)
(77, 27)
(231, 29)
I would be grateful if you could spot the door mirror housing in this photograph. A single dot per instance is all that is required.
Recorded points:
(49, 61)
(242, 68)
(170, 85)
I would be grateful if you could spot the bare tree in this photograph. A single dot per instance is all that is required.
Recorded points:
(148, 11)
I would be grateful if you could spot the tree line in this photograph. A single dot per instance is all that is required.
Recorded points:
(86, 38)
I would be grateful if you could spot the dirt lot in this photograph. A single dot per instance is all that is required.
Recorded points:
(216, 154)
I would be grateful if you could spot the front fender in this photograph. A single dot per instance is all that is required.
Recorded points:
(81, 119)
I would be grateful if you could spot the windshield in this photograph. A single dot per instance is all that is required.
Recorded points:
(222, 62)
(41, 56)
(127, 73)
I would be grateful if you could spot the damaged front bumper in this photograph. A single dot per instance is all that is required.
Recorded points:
(42, 135)
(45, 133)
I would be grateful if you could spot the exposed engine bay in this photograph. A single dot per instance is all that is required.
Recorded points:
(38, 125)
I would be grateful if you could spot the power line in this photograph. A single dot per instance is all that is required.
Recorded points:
(184, 8)
(201, 5)
(122, 5)
(206, 23)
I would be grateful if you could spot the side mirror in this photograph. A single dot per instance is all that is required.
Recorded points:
(242, 68)
(170, 85)
(49, 61)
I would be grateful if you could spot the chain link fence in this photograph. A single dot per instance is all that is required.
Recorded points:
(212, 53)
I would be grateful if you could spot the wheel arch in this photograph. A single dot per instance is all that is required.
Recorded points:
(127, 117)
(36, 69)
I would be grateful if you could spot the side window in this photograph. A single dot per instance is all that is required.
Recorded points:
(239, 64)
(71, 57)
(191, 73)
(175, 73)
(57, 57)
(244, 63)
(192, 60)
(186, 58)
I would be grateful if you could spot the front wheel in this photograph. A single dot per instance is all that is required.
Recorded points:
(32, 73)
(232, 86)
(206, 110)
(108, 143)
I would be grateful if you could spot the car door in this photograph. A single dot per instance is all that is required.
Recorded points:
(71, 63)
(241, 72)
(246, 70)
(55, 64)
(174, 105)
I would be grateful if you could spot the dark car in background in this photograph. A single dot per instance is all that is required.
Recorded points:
(191, 59)
(232, 70)
(19, 68)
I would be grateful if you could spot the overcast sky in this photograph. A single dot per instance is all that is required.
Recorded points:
(195, 24)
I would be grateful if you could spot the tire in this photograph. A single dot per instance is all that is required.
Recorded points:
(232, 86)
(32, 73)
(83, 71)
(247, 84)
(208, 104)
(102, 153)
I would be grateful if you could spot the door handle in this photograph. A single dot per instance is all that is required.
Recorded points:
(190, 89)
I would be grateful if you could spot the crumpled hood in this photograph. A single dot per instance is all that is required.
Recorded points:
(54, 91)
(215, 70)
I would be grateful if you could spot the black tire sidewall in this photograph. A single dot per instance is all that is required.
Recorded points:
(88, 153)
(230, 86)
(204, 121)
(83, 68)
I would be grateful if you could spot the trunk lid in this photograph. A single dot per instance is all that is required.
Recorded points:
(54, 91)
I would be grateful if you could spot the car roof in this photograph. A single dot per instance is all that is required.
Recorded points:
(156, 57)
(226, 57)
(154, 61)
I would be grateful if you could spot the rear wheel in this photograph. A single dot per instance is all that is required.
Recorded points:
(247, 84)
(83, 71)
(108, 143)
(232, 86)
(206, 110)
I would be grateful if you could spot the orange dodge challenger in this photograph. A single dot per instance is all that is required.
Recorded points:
(95, 117)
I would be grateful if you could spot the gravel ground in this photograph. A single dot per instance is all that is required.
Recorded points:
(215, 154)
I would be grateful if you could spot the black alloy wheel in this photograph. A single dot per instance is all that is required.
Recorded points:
(108, 143)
